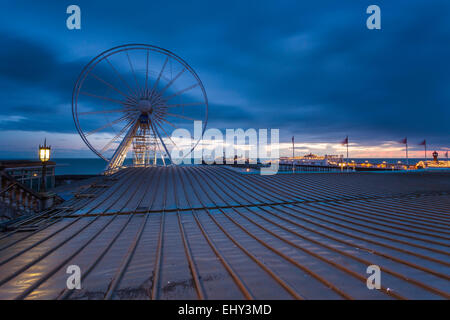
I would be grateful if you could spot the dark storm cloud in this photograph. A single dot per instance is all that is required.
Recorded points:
(372, 85)
(228, 116)
(35, 83)
(309, 68)
(23, 60)
(37, 86)
(32, 63)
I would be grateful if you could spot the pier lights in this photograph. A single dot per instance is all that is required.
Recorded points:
(44, 153)
(44, 156)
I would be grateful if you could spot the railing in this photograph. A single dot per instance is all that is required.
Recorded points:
(17, 199)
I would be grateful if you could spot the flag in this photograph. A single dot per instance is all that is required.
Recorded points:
(404, 141)
(292, 139)
(345, 141)
(423, 143)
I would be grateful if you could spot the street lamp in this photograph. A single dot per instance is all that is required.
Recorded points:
(44, 156)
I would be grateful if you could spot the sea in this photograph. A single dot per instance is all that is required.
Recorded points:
(66, 166)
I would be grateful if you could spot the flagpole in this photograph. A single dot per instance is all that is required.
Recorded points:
(407, 163)
(293, 155)
(425, 146)
(347, 153)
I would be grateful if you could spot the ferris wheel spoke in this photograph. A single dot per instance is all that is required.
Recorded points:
(157, 99)
(123, 103)
(155, 85)
(146, 76)
(109, 124)
(169, 123)
(111, 86)
(181, 91)
(162, 141)
(160, 151)
(163, 159)
(167, 135)
(128, 125)
(158, 115)
(105, 111)
(119, 76)
(133, 72)
(177, 105)
(171, 82)
(180, 116)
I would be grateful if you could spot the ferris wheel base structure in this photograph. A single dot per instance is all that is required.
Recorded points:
(132, 96)
(121, 152)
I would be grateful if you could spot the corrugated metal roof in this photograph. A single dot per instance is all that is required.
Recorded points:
(209, 232)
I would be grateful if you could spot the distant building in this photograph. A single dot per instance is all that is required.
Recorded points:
(313, 160)
(440, 164)
(29, 172)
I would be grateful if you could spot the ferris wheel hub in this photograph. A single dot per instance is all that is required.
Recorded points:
(145, 105)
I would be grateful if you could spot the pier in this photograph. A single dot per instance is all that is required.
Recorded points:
(339, 164)
(208, 232)
(341, 167)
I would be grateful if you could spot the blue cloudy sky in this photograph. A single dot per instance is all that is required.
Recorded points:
(310, 68)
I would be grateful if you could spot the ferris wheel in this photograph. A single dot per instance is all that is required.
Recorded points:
(131, 97)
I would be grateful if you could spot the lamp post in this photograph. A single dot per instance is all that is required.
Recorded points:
(44, 156)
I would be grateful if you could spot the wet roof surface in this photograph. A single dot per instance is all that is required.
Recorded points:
(210, 232)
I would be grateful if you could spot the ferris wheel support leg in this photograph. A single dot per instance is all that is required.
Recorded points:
(164, 145)
(121, 152)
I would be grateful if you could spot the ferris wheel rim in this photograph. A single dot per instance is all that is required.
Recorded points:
(122, 48)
